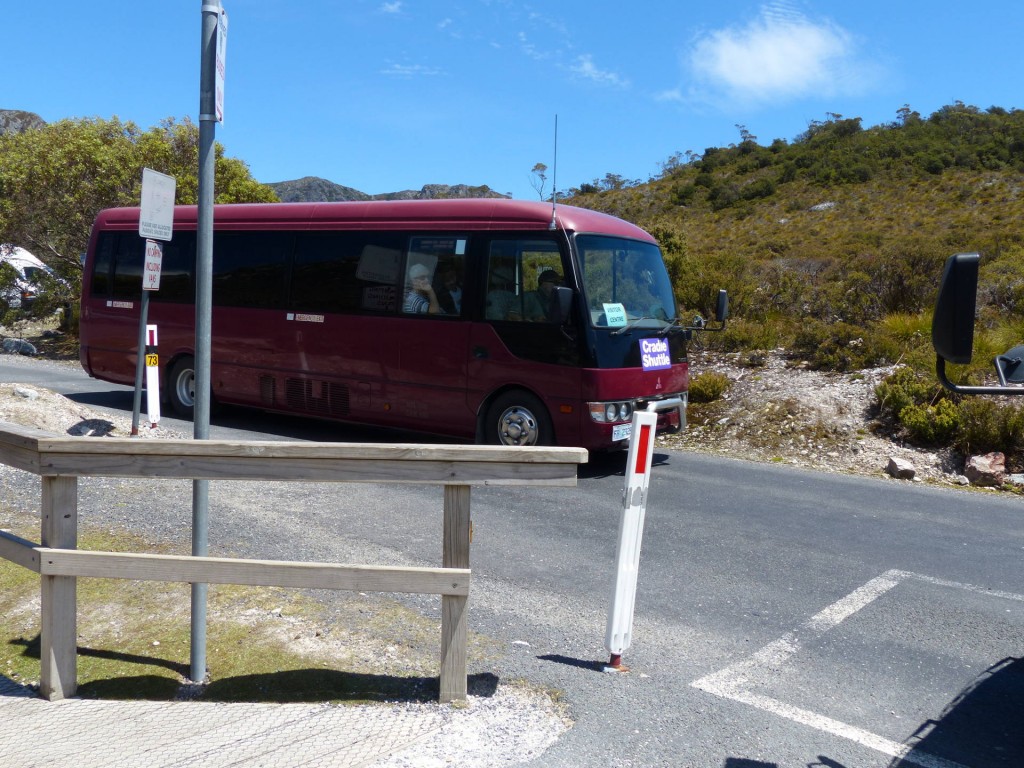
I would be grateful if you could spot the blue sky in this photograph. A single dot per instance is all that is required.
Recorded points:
(385, 95)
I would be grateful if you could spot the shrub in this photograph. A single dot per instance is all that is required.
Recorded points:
(743, 335)
(708, 387)
(931, 424)
(905, 388)
(987, 425)
(841, 346)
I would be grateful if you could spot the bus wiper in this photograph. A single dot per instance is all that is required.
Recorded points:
(632, 324)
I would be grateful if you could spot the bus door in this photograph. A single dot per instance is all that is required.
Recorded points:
(518, 345)
(428, 384)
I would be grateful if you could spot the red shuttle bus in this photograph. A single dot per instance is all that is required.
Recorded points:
(495, 321)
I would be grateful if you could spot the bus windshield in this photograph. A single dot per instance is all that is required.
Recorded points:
(625, 283)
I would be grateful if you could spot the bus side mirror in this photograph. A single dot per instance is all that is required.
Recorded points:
(722, 308)
(721, 313)
(953, 321)
(561, 304)
(953, 330)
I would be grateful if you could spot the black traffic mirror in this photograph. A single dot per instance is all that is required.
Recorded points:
(722, 309)
(953, 321)
(953, 330)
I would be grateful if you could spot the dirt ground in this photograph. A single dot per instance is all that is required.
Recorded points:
(783, 412)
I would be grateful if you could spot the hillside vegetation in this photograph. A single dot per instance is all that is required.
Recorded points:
(832, 246)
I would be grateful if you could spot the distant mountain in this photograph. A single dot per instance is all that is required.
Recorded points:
(312, 189)
(19, 121)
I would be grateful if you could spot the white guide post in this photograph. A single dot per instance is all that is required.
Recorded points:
(618, 636)
(152, 377)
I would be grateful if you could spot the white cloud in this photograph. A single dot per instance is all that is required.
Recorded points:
(393, 7)
(584, 67)
(410, 70)
(781, 55)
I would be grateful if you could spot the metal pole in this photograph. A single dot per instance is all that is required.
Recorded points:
(139, 363)
(211, 10)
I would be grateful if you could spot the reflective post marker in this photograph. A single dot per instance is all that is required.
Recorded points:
(619, 634)
(152, 377)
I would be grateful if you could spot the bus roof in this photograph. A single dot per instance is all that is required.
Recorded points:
(473, 214)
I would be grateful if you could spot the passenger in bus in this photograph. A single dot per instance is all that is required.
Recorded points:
(421, 298)
(501, 299)
(538, 303)
(449, 293)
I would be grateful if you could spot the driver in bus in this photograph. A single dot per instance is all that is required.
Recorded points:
(538, 303)
(421, 298)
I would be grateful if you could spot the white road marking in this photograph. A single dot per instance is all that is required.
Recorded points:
(736, 680)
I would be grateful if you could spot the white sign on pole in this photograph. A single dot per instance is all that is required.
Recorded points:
(222, 47)
(619, 634)
(151, 265)
(156, 215)
(152, 376)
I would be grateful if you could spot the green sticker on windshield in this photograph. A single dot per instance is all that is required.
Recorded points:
(615, 315)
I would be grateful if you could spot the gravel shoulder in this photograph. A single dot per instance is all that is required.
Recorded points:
(783, 412)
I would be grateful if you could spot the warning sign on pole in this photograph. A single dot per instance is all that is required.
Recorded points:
(151, 265)
(619, 634)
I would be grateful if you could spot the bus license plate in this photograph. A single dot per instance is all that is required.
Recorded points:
(622, 431)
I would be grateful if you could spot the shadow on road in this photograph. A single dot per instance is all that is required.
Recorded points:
(981, 727)
(590, 666)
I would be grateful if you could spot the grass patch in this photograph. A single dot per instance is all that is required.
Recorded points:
(262, 644)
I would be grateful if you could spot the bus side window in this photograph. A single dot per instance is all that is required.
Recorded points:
(520, 275)
(433, 275)
(250, 269)
(127, 277)
(101, 264)
(504, 296)
(178, 269)
(346, 272)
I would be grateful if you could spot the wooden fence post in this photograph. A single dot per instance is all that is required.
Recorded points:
(454, 608)
(58, 674)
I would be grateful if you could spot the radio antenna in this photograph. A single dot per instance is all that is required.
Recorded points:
(554, 181)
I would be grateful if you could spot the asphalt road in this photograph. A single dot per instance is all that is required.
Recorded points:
(783, 618)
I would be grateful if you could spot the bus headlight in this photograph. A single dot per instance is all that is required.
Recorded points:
(611, 413)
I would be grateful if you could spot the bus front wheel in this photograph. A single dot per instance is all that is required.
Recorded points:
(181, 387)
(518, 418)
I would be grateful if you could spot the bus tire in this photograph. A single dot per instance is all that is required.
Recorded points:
(518, 418)
(181, 387)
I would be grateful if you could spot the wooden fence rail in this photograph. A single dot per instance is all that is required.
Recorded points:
(60, 461)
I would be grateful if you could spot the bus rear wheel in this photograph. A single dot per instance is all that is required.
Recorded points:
(518, 418)
(181, 387)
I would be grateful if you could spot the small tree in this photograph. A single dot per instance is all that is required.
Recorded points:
(539, 178)
(55, 179)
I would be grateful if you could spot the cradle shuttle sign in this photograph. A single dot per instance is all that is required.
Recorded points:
(654, 354)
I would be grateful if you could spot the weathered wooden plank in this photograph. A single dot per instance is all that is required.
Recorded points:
(20, 436)
(360, 451)
(19, 551)
(310, 469)
(58, 666)
(20, 457)
(453, 682)
(456, 536)
(265, 573)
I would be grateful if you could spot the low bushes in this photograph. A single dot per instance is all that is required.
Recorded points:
(929, 415)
